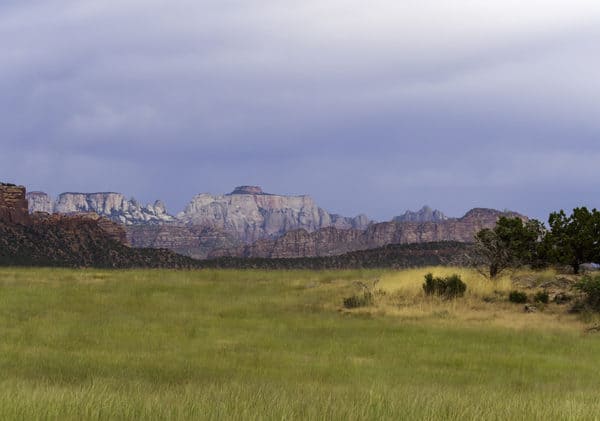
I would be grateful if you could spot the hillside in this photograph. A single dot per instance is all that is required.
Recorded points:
(82, 240)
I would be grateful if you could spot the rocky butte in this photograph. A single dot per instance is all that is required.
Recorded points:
(13, 205)
(249, 214)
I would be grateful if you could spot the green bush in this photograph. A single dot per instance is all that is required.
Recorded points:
(518, 297)
(542, 297)
(431, 285)
(361, 300)
(590, 286)
(449, 287)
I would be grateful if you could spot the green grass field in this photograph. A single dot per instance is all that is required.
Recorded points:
(88, 344)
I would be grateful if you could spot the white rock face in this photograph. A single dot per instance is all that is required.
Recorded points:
(112, 205)
(250, 214)
(39, 202)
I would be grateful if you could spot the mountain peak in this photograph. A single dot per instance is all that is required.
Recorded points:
(425, 214)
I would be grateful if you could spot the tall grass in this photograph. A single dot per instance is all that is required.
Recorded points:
(276, 345)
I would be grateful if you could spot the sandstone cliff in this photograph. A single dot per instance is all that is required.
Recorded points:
(332, 241)
(13, 205)
(249, 214)
(114, 206)
(82, 239)
(40, 202)
(194, 241)
(111, 230)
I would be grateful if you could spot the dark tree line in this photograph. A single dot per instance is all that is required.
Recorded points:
(570, 240)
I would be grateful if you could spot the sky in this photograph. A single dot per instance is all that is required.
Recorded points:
(370, 107)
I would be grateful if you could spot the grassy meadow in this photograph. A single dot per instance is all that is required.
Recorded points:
(225, 344)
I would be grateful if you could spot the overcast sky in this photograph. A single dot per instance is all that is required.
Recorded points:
(371, 107)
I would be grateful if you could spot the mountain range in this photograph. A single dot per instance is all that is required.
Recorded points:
(90, 240)
(251, 223)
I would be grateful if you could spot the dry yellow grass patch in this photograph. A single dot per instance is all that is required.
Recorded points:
(485, 301)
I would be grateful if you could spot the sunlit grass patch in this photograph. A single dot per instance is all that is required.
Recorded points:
(409, 282)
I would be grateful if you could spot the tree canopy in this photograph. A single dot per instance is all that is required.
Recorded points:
(513, 242)
(574, 239)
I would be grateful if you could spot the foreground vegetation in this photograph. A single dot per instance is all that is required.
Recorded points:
(216, 344)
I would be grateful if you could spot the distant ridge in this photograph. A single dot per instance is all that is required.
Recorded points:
(331, 241)
(251, 223)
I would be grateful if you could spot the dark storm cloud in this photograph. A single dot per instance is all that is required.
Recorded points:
(372, 108)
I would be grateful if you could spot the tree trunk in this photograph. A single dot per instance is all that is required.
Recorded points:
(575, 267)
(493, 270)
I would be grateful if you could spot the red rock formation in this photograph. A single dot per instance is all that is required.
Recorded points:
(13, 205)
(331, 241)
(193, 241)
(74, 223)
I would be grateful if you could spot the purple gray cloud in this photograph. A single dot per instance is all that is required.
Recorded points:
(370, 107)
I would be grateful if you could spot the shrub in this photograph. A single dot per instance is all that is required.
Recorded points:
(542, 297)
(518, 297)
(590, 286)
(361, 300)
(449, 287)
(562, 298)
(431, 285)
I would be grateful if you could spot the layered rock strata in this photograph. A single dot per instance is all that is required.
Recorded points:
(249, 214)
(194, 241)
(114, 206)
(332, 241)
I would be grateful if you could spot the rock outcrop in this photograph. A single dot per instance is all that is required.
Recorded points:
(77, 242)
(425, 214)
(248, 190)
(332, 241)
(81, 239)
(13, 205)
(40, 202)
(248, 214)
(114, 206)
(194, 241)
(111, 230)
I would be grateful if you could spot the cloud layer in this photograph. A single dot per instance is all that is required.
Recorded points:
(370, 107)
